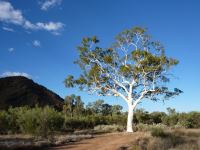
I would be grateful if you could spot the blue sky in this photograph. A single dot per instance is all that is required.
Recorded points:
(39, 39)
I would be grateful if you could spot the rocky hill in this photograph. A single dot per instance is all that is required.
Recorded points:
(21, 91)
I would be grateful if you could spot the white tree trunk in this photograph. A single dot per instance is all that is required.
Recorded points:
(130, 119)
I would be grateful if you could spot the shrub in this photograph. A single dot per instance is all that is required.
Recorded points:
(192, 120)
(141, 116)
(89, 122)
(147, 127)
(28, 121)
(189, 120)
(170, 120)
(4, 122)
(13, 115)
(44, 121)
(109, 128)
(40, 121)
(156, 117)
(141, 127)
(50, 120)
(117, 119)
(78, 123)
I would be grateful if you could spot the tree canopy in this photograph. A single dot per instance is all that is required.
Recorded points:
(134, 66)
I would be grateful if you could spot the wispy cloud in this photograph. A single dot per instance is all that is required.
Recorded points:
(36, 43)
(9, 74)
(11, 49)
(46, 4)
(10, 15)
(8, 29)
(53, 27)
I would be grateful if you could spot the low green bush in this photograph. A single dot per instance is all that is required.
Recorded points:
(4, 122)
(147, 127)
(109, 128)
(45, 121)
(49, 121)
(35, 121)
(28, 121)
(78, 123)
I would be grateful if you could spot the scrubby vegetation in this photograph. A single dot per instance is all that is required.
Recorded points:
(109, 128)
(47, 121)
(36, 121)
(175, 139)
(97, 115)
(164, 128)
(170, 119)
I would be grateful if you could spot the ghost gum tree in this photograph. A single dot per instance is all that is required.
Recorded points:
(134, 68)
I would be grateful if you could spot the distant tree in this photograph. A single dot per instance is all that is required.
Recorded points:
(156, 117)
(142, 116)
(189, 120)
(96, 106)
(134, 68)
(116, 109)
(99, 107)
(68, 106)
(172, 118)
(171, 111)
(106, 109)
(73, 105)
(79, 106)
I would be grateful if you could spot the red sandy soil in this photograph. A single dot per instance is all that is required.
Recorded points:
(113, 141)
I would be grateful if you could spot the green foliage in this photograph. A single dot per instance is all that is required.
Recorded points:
(96, 106)
(141, 116)
(172, 118)
(156, 117)
(49, 120)
(13, 115)
(4, 122)
(45, 121)
(35, 121)
(69, 81)
(40, 121)
(89, 122)
(78, 123)
(73, 105)
(108, 59)
(99, 107)
(134, 68)
(28, 121)
(148, 127)
(189, 120)
(116, 109)
(109, 128)
(133, 56)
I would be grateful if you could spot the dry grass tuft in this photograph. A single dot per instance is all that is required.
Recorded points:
(178, 139)
(27, 142)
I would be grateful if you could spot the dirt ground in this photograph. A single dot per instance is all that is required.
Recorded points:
(113, 141)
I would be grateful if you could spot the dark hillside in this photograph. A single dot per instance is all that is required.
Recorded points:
(21, 91)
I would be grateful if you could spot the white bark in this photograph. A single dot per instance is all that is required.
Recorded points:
(131, 107)
(130, 118)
